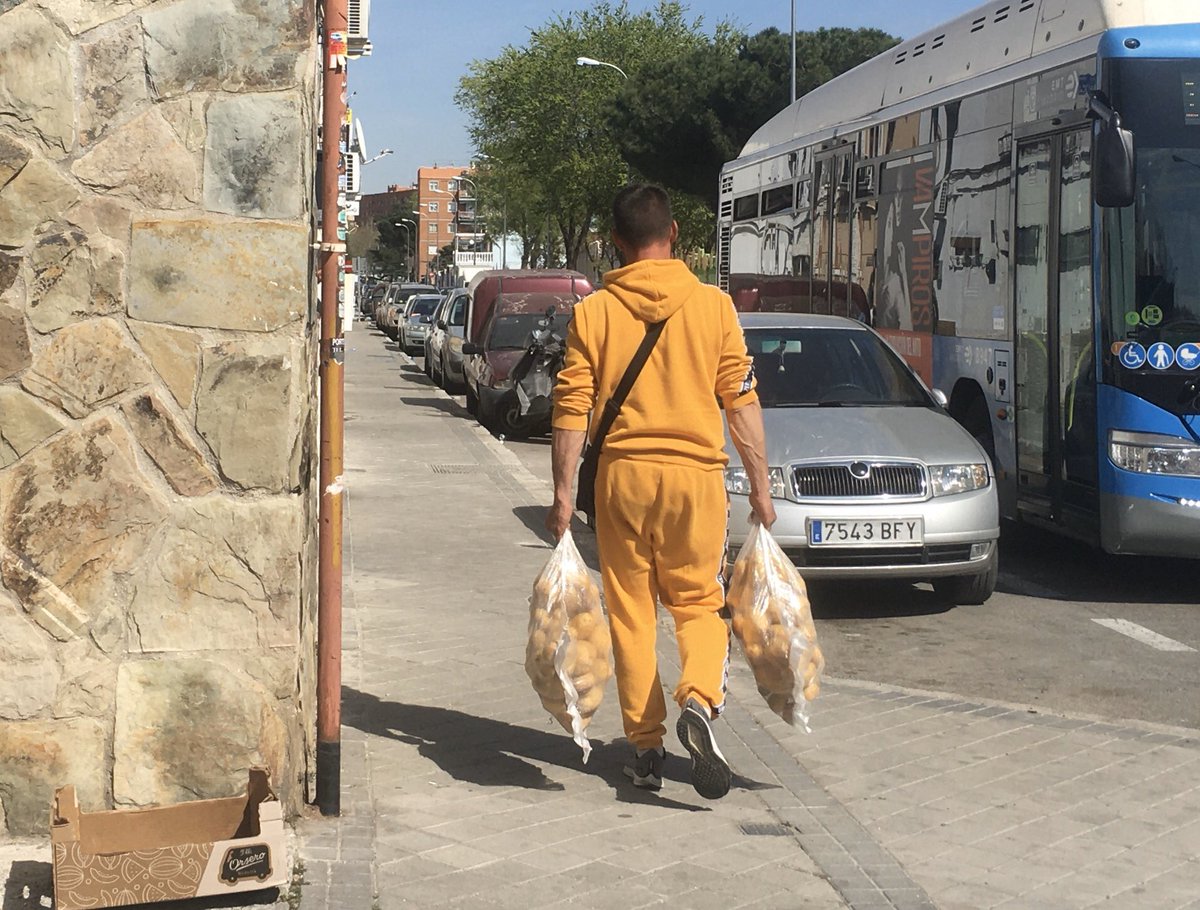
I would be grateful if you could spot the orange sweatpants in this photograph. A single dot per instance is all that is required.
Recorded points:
(660, 530)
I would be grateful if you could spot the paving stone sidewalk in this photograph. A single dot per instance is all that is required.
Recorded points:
(460, 792)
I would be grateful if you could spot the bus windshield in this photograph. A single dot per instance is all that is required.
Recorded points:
(1152, 249)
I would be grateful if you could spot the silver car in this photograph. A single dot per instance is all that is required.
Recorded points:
(871, 477)
(443, 344)
(412, 324)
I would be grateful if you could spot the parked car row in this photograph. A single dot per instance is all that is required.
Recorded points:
(487, 340)
(871, 477)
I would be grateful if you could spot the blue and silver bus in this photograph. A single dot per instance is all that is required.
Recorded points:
(1013, 200)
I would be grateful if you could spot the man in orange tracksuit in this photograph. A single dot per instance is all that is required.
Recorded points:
(661, 505)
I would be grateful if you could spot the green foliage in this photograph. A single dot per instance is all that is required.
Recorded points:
(557, 140)
(394, 252)
(542, 122)
(688, 115)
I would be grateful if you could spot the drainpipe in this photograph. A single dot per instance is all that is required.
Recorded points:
(333, 346)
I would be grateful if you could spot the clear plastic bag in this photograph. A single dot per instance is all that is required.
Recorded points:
(768, 602)
(569, 653)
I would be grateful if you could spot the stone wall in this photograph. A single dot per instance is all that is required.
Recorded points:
(157, 397)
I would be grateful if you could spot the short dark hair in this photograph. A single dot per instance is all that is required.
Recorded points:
(641, 214)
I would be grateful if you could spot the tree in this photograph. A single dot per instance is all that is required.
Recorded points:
(395, 249)
(689, 114)
(544, 119)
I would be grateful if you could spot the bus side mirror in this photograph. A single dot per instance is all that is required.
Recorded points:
(1114, 172)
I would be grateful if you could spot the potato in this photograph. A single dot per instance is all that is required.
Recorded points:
(579, 657)
(776, 678)
(754, 653)
(779, 645)
(810, 673)
(590, 701)
(585, 682)
(582, 626)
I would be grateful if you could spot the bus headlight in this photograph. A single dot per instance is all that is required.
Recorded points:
(738, 481)
(948, 479)
(1151, 453)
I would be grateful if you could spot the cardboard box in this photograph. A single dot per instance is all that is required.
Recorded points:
(135, 856)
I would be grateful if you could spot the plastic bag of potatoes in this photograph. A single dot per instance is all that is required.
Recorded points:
(768, 602)
(569, 653)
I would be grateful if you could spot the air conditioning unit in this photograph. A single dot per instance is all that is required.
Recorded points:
(358, 15)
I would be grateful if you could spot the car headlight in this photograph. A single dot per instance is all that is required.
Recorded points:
(738, 481)
(1150, 453)
(456, 344)
(948, 479)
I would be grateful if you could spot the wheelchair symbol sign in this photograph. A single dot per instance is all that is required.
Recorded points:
(1133, 355)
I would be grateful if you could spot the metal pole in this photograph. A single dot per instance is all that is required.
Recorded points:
(793, 51)
(329, 572)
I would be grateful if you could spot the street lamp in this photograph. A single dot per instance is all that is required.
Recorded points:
(504, 206)
(589, 61)
(793, 51)
(383, 153)
(404, 223)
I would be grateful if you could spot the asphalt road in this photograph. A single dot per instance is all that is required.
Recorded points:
(1036, 642)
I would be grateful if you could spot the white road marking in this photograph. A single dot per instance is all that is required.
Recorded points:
(1144, 635)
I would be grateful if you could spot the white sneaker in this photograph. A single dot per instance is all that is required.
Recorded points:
(711, 775)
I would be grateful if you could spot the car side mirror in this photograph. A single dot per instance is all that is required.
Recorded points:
(940, 397)
(1114, 167)
(470, 349)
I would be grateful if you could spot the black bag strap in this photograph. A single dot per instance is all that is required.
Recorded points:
(612, 407)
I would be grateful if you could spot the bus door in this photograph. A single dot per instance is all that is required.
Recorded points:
(832, 232)
(1055, 374)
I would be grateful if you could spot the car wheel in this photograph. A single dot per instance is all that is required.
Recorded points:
(435, 370)
(508, 418)
(428, 363)
(970, 590)
(472, 403)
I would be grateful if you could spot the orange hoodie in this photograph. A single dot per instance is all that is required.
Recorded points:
(671, 414)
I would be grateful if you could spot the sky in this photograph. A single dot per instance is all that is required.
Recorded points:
(403, 94)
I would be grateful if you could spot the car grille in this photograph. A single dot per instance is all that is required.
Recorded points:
(845, 481)
(853, 557)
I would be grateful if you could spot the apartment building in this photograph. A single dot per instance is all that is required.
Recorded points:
(447, 208)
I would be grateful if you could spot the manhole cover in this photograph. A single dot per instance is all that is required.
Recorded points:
(758, 829)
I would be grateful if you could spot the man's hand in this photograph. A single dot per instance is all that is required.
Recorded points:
(762, 509)
(558, 519)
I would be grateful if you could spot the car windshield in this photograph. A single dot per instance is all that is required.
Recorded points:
(813, 367)
(509, 333)
(423, 305)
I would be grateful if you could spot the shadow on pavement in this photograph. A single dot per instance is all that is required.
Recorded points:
(37, 877)
(872, 600)
(437, 402)
(534, 518)
(1070, 570)
(492, 753)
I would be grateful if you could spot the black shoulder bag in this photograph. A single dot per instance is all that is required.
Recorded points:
(585, 495)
